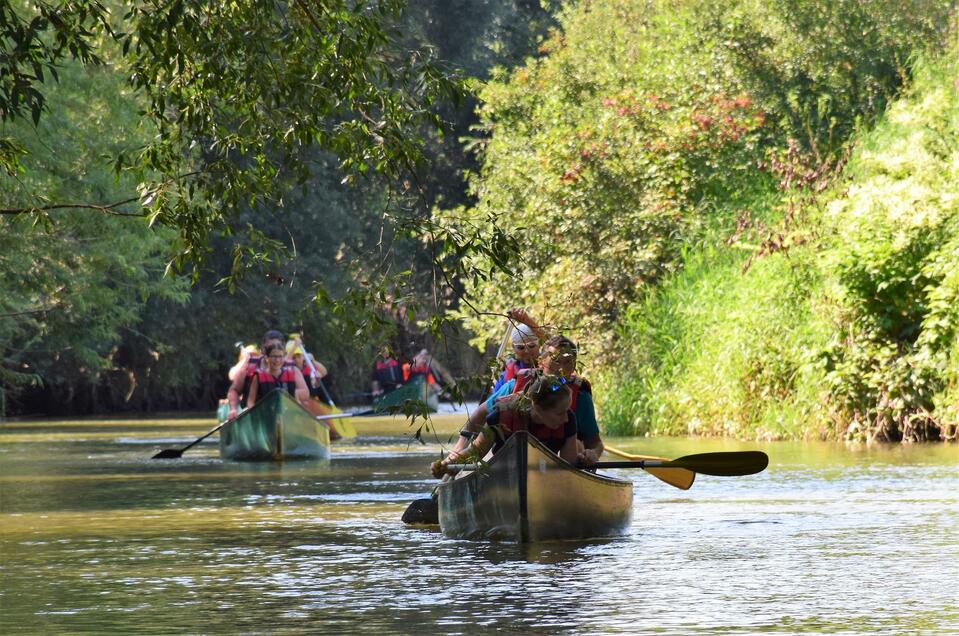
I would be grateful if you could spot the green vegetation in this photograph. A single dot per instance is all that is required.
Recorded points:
(851, 334)
(734, 205)
(671, 167)
(87, 321)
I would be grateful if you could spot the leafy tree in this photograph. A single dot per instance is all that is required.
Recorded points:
(325, 238)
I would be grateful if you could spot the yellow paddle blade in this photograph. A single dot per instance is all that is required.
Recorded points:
(344, 427)
(678, 477)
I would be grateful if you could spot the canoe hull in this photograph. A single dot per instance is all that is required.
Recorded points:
(276, 428)
(527, 494)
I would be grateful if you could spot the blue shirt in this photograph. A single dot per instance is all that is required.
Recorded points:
(585, 412)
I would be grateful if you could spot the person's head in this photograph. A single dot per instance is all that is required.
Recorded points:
(275, 355)
(549, 399)
(525, 344)
(295, 352)
(272, 337)
(422, 358)
(559, 356)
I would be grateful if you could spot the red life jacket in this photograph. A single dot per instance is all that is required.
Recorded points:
(388, 373)
(513, 367)
(575, 384)
(252, 365)
(286, 379)
(512, 420)
(410, 370)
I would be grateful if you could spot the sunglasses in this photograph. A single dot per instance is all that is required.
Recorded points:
(525, 347)
(279, 357)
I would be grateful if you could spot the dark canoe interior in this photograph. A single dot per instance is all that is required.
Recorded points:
(276, 428)
(526, 493)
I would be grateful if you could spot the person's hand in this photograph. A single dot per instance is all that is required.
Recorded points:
(438, 468)
(518, 314)
(587, 457)
(231, 414)
(377, 393)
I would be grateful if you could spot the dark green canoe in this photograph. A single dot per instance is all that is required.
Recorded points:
(277, 428)
(526, 493)
(413, 391)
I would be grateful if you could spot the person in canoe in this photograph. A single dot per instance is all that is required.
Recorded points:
(387, 374)
(278, 374)
(526, 338)
(241, 380)
(558, 358)
(542, 408)
(421, 366)
(313, 374)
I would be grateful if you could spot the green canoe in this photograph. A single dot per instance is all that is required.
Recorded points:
(275, 429)
(415, 391)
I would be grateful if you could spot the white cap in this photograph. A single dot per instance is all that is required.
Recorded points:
(522, 334)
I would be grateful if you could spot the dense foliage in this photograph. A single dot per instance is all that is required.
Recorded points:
(660, 150)
(849, 333)
(339, 259)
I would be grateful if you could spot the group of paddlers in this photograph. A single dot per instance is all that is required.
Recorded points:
(537, 391)
(389, 375)
(277, 363)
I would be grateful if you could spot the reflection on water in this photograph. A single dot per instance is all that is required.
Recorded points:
(96, 537)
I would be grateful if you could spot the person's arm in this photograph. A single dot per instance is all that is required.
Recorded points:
(321, 371)
(239, 369)
(478, 448)
(302, 392)
(474, 424)
(588, 429)
(233, 395)
(254, 386)
(520, 315)
(568, 451)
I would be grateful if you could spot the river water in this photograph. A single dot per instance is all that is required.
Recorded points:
(95, 537)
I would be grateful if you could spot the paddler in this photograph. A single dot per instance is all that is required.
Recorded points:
(542, 408)
(558, 358)
(278, 374)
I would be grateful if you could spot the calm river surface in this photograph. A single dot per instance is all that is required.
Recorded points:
(97, 538)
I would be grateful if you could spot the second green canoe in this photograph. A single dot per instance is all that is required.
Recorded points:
(276, 428)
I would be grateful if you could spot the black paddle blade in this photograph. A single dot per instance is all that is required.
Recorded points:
(422, 512)
(729, 464)
(169, 453)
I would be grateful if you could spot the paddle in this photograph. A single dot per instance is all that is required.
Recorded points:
(344, 429)
(177, 453)
(727, 464)
(732, 464)
(678, 477)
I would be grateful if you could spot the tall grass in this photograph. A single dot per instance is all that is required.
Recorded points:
(854, 333)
